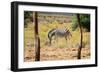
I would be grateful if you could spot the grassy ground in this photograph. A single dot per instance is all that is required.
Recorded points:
(60, 49)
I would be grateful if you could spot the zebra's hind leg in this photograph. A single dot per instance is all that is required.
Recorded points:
(56, 41)
(50, 42)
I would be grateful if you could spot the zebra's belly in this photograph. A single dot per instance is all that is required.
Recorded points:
(58, 35)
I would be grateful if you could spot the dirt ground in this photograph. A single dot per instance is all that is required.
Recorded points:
(49, 54)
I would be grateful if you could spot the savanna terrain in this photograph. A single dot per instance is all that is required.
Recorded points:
(60, 49)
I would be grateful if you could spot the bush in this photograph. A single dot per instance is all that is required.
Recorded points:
(28, 17)
(84, 20)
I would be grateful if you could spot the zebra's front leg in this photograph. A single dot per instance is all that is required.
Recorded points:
(66, 41)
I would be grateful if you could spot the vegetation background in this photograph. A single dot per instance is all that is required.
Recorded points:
(60, 49)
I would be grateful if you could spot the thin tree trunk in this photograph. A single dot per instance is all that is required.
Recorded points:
(81, 37)
(37, 40)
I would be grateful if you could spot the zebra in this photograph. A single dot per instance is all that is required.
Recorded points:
(58, 32)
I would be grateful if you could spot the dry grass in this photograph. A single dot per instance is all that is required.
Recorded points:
(49, 53)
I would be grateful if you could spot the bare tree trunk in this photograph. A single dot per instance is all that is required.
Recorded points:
(81, 37)
(37, 39)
